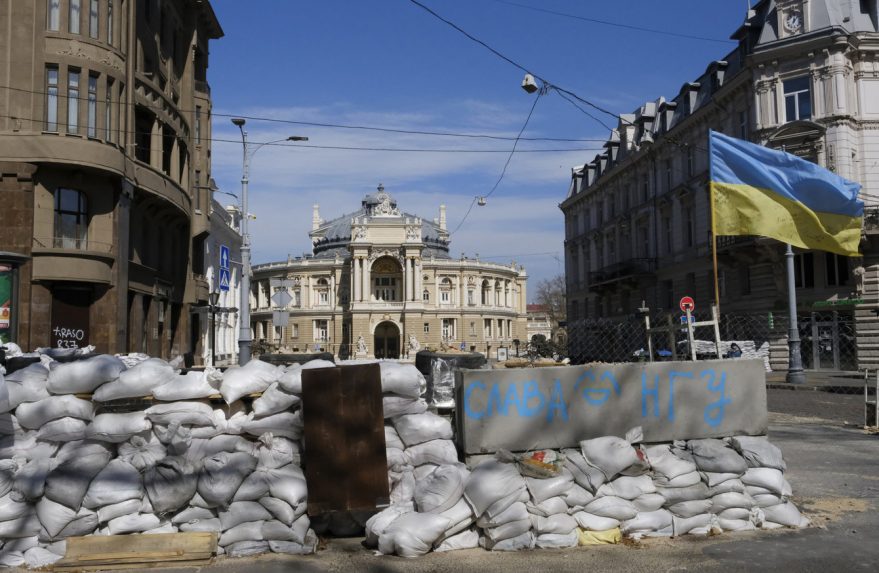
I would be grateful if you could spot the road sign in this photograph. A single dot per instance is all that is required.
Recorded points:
(684, 319)
(225, 279)
(224, 257)
(280, 317)
(281, 298)
(687, 303)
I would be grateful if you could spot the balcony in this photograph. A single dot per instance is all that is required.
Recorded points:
(729, 242)
(629, 269)
(67, 258)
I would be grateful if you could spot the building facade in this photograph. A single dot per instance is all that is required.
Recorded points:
(804, 77)
(104, 165)
(380, 283)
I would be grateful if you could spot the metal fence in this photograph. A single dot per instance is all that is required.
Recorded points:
(827, 339)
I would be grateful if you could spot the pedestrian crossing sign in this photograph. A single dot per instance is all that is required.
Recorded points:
(225, 278)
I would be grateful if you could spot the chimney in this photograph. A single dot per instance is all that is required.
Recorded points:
(442, 218)
(315, 217)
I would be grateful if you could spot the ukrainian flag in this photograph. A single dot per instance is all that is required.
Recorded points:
(761, 191)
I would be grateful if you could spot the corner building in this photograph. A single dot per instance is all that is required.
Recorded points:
(104, 172)
(386, 276)
(804, 78)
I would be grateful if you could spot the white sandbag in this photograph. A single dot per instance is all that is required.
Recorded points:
(549, 506)
(412, 534)
(402, 379)
(174, 437)
(767, 499)
(8, 469)
(247, 548)
(30, 481)
(379, 522)
(254, 486)
(34, 415)
(584, 474)
(38, 558)
(728, 486)
(508, 530)
(503, 504)
(280, 509)
(627, 487)
(63, 430)
(768, 478)
(285, 424)
(729, 500)
(137, 381)
(559, 523)
(690, 508)
(544, 488)
(735, 524)
(205, 448)
(609, 454)
(54, 516)
(192, 515)
(557, 540)
(460, 517)
(418, 428)
(170, 483)
(190, 386)
(135, 523)
(439, 452)
(759, 452)
(288, 484)
(682, 480)
(109, 512)
(674, 495)
(648, 502)
(11, 508)
(713, 455)
(439, 491)
(291, 380)
(26, 526)
(685, 525)
(27, 385)
(273, 530)
(491, 481)
(613, 507)
(117, 482)
(424, 470)
(515, 512)
(14, 550)
(734, 513)
(593, 522)
(646, 522)
(578, 496)
(293, 548)
(184, 413)
(242, 512)
(276, 451)
(468, 539)
(667, 464)
(519, 543)
(209, 524)
(714, 479)
(222, 474)
(68, 482)
(396, 458)
(392, 438)
(141, 452)
(394, 406)
(84, 376)
(255, 376)
(275, 399)
(247, 531)
(116, 428)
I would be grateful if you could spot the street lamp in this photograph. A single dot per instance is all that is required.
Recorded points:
(214, 298)
(245, 339)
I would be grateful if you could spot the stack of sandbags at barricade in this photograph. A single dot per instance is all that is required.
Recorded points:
(69, 468)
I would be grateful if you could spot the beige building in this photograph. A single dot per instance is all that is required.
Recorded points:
(380, 283)
(804, 77)
(105, 162)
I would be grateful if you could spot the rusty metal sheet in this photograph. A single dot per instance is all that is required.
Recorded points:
(345, 461)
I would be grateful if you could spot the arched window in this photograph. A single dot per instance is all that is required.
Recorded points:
(71, 219)
(486, 289)
(323, 292)
(445, 291)
(425, 296)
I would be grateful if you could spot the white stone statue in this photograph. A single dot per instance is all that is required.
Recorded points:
(413, 344)
(361, 345)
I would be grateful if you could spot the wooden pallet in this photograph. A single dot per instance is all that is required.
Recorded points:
(111, 552)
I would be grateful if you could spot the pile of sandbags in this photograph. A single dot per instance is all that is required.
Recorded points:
(69, 468)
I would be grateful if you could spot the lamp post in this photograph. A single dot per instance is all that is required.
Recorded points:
(214, 298)
(245, 339)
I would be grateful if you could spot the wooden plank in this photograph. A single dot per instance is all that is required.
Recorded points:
(132, 566)
(137, 551)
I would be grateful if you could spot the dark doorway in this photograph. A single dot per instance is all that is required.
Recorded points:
(70, 317)
(387, 340)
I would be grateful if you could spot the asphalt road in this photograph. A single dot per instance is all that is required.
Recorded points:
(835, 407)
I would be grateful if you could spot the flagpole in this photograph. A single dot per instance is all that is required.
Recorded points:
(713, 227)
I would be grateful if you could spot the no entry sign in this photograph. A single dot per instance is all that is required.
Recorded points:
(687, 303)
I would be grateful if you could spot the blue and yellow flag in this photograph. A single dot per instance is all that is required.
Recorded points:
(761, 191)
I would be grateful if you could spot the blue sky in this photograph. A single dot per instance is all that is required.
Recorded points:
(390, 64)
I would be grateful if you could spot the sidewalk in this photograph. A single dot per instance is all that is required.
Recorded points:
(819, 380)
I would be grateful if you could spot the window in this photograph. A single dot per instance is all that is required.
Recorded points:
(836, 269)
(198, 125)
(426, 328)
(294, 330)
(448, 329)
(74, 16)
(278, 333)
(71, 219)
(797, 99)
(108, 111)
(487, 328)
(51, 98)
(385, 288)
(320, 330)
(645, 187)
(297, 297)
(72, 101)
(53, 16)
(323, 292)
(688, 221)
(471, 299)
(93, 18)
(485, 293)
(93, 106)
(804, 270)
(666, 226)
(472, 328)
(425, 295)
(110, 22)
(445, 291)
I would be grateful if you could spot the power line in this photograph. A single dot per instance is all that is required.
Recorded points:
(615, 24)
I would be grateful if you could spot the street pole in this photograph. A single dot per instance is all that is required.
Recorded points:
(795, 374)
(213, 335)
(244, 337)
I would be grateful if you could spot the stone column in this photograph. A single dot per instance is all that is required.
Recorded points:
(355, 279)
(367, 281)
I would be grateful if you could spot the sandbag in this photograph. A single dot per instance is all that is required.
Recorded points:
(242, 512)
(84, 376)
(785, 514)
(38, 558)
(759, 452)
(11, 508)
(247, 548)
(504, 503)
(713, 455)
(394, 406)
(291, 380)
(30, 481)
(674, 495)
(208, 524)
(549, 506)
(26, 385)
(685, 525)
(648, 502)
(190, 386)
(439, 491)
(255, 376)
(418, 428)
(275, 399)
(577, 496)
(109, 512)
(222, 474)
(136, 381)
(508, 530)
(768, 478)
(170, 484)
(116, 428)
(141, 452)
(593, 522)
(491, 481)
(14, 550)
(285, 424)
(666, 464)
(519, 543)
(392, 438)
(683, 480)
(135, 523)
(117, 482)
(174, 437)
(557, 540)
(293, 548)
(65, 429)
(609, 454)
(254, 486)
(288, 484)
(544, 488)
(468, 539)
(584, 474)
(647, 522)
(690, 508)
(460, 517)
(559, 523)
(25, 526)
(611, 506)
(276, 451)
(437, 452)
(402, 379)
(69, 481)
(412, 534)
(515, 512)
(627, 487)
(280, 509)
(247, 531)
(34, 415)
(184, 413)
(729, 500)
(379, 522)
(54, 517)
(192, 515)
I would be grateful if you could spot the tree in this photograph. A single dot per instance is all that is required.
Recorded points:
(551, 294)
